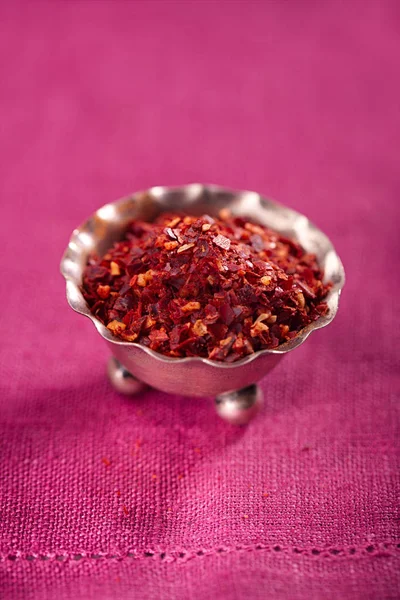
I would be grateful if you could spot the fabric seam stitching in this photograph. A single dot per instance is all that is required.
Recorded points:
(384, 549)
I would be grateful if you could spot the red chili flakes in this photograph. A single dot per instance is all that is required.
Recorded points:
(114, 268)
(199, 328)
(103, 291)
(222, 241)
(116, 327)
(173, 222)
(191, 306)
(171, 245)
(198, 286)
(184, 248)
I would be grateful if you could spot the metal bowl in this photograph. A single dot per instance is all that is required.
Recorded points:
(232, 383)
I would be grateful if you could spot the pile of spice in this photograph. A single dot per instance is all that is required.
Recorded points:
(198, 286)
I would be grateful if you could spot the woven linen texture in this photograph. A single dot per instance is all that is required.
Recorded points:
(106, 497)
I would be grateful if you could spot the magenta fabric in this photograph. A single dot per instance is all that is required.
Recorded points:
(106, 497)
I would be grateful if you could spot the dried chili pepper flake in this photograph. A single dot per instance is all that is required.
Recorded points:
(199, 328)
(116, 327)
(191, 307)
(308, 292)
(158, 335)
(133, 281)
(284, 329)
(184, 248)
(322, 308)
(227, 313)
(258, 328)
(105, 461)
(248, 347)
(125, 510)
(171, 245)
(265, 280)
(227, 341)
(170, 233)
(262, 317)
(129, 337)
(221, 266)
(241, 289)
(141, 280)
(148, 322)
(114, 268)
(103, 291)
(144, 278)
(300, 299)
(222, 241)
(174, 222)
(178, 236)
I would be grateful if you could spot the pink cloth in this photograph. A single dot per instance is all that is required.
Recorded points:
(104, 497)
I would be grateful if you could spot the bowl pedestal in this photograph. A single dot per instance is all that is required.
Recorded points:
(237, 407)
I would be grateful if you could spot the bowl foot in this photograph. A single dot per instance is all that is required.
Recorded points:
(241, 406)
(122, 380)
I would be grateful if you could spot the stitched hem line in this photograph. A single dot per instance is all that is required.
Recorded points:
(382, 550)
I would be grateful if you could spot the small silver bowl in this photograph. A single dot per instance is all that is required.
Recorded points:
(132, 366)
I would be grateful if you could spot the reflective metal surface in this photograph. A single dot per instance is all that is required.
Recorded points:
(195, 376)
(123, 381)
(241, 406)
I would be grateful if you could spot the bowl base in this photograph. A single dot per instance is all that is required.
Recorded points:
(237, 407)
(122, 380)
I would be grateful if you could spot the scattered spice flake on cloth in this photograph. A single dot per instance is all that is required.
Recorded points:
(197, 286)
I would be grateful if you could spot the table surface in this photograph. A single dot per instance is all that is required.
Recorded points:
(107, 497)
